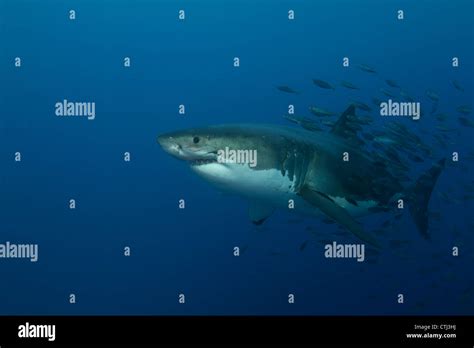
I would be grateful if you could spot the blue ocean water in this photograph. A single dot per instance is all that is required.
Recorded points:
(135, 203)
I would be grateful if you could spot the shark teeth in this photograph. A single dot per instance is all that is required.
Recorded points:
(202, 161)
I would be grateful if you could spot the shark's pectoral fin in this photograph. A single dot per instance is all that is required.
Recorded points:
(420, 196)
(337, 213)
(259, 212)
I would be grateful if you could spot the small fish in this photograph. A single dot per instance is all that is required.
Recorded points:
(323, 84)
(287, 89)
(392, 154)
(392, 83)
(444, 196)
(432, 95)
(363, 119)
(440, 140)
(457, 85)
(441, 117)
(387, 93)
(328, 221)
(303, 246)
(466, 122)
(406, 96)
(310, 126)
(467, 197)
(470, 156)
(464, 109)
(434, 107)
(366, 68)
(298, 119)
(348, 85)
(385, 140)
(291, 119)
(328, 123)
(361, 105)
(446, 129)
(376, 101)
(319, 111)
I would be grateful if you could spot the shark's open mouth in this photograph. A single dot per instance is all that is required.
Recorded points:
(210, 157)
(200, 162)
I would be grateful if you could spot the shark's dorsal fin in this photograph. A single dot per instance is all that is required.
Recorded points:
(259, 212)
(344, 126)
(337, 213)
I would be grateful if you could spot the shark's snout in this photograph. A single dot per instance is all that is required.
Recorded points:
(185, 148)
(169, 144)
(165, 140)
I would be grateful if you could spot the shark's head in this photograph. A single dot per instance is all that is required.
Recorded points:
(196, 146)
(209, 152)
(201, 148)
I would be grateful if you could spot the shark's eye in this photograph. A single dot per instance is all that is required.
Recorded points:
(196, 140)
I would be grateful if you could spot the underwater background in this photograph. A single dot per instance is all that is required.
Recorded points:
(191, 62)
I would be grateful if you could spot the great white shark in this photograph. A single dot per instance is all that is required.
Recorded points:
(323, 174)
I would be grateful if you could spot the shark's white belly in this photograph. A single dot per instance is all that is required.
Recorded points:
(268, 186)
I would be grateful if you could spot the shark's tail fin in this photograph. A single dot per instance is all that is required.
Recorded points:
(420, 194)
